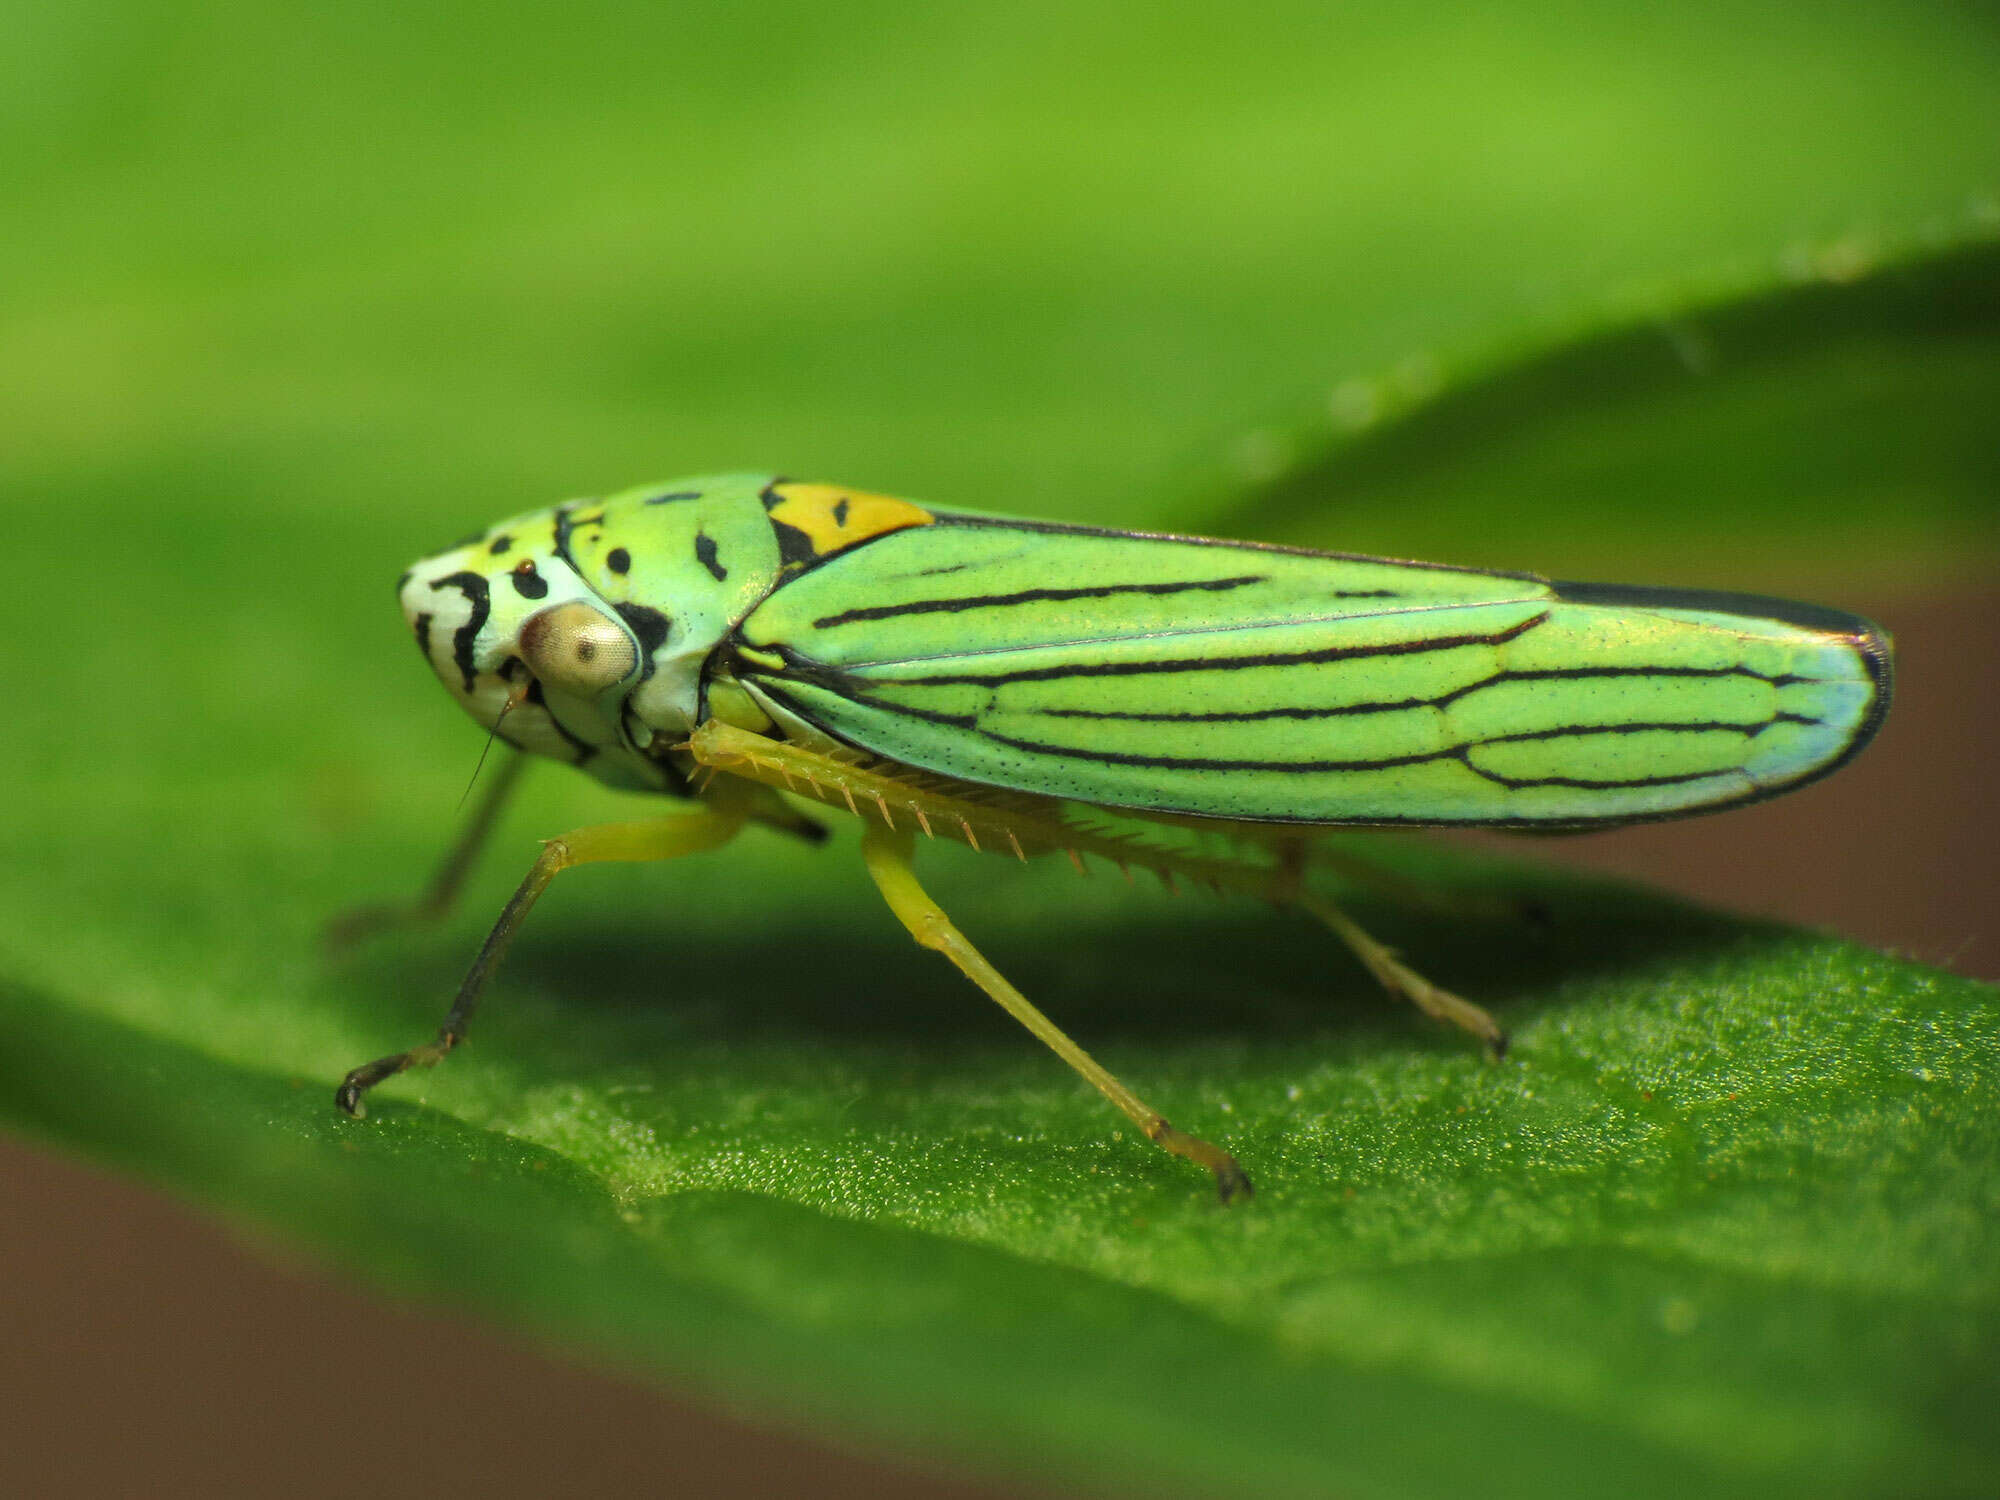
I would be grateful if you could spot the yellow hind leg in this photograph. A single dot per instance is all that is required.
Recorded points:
(887, 853)
(895, 802)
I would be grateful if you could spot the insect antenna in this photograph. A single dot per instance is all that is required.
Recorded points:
(515, 696)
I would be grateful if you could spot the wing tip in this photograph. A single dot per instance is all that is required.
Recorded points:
(1877, 650)
(1869, 642)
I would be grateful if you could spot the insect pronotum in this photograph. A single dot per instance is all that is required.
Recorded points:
(1200, 709)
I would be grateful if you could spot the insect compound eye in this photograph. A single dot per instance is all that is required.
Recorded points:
(577, 649)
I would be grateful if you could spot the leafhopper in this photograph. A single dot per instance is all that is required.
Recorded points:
(1203, 709)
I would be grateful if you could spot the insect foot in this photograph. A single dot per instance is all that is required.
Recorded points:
(1232, 1183)
(347, 1098)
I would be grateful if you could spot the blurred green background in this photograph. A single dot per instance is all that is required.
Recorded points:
(1706, 294)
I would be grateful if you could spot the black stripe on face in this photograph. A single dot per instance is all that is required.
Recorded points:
(618, 560)
(704, 551)
(1041, 596)
(479, 605)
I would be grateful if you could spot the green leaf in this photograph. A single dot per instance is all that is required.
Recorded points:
(1837, 407)
(287, 299)
(1726, 1219)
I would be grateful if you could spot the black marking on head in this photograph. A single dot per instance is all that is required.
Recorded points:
(670, 497)
(647, 623)
(423, 627)
(840, 511)
(796, 551)
(795, 548)
(651, 627)
(528, 583)
(467, 540)
(618, 560)
(561, 536)
(480, 605)
(704, 549)
(500, 544)
(403, 581)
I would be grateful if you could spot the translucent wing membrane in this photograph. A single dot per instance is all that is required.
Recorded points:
(1234, 681)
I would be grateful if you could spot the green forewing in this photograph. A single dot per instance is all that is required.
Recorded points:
(1231, 680)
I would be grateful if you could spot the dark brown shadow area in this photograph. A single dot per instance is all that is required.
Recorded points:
(145, 1351)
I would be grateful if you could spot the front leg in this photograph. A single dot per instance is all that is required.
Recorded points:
(654, 838)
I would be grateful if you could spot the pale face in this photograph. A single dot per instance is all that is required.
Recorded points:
(529, 649)
(583, 632)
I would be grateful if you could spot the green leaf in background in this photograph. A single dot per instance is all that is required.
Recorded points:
(288, 298)
(1837, 407)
